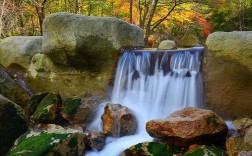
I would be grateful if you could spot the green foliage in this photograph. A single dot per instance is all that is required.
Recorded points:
(37, 145)
(232, 15)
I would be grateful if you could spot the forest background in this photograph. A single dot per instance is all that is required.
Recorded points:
(160, 19)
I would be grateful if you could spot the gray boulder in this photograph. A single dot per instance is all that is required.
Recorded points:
(167, 45)
(17, 51)
(228, 73)
(87, 42)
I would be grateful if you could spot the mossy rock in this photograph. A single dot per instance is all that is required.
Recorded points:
(234, 145)
(151, 149)
(46, 110)
(34, 102)
(37, 145)
(205, 150)
(13, 123)
(70, 106)
(50, 144)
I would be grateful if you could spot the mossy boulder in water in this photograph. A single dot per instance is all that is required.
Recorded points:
(13, 123)
(189, 126)
(96, 140)
(242, 139)
(151, 149)
(118, 120)
(53, 140)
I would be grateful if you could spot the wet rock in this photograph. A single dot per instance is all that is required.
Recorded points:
(34, 102)
(234, 145)
(13, 123)
(151, 149)
(96, 140)
(167, 45)
(203, 150)
(118, 120)
(87, 42)
(11, 89)
(17, 51)
(80, 110)
(228, 73)
(242, 139)
(48, 110)
(50, 140)
(188, 126)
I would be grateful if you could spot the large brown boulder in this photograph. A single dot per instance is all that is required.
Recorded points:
(188, 126)
(228, 73)
(118, 120)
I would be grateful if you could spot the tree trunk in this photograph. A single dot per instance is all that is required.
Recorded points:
(77, 6)
(1, 17)
(40, 9)
(131, 6)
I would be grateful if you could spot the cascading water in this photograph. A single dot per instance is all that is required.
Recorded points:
(153, 85)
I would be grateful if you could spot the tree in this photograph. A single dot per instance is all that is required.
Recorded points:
(2, 4)
(39, 5)
(148, 11)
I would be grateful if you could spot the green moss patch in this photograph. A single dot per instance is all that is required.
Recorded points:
(151, 149)
(70, 106)
(45, 110)
(205, 150)
(37, 145)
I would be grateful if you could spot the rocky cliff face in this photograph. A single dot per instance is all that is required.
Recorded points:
(228, 73)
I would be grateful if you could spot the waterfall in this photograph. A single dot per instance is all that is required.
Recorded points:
(153, 84)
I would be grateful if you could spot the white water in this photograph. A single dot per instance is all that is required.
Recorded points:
(152, 85)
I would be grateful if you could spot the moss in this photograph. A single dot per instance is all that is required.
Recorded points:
(205, 150)
(151, 149)
(139, 146)
(71, 105)
(73, 142)
(34, 101)
(158, 149)
(44, 111)
(211, 120)
(37, 145)
(128, 152)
